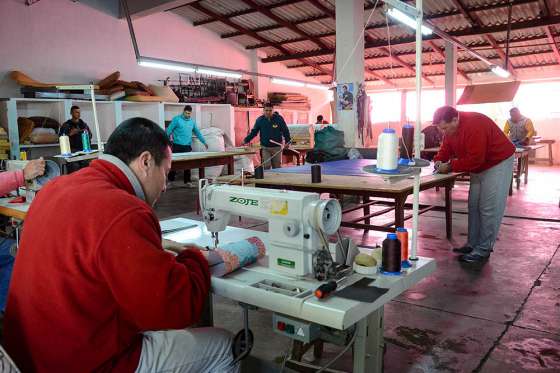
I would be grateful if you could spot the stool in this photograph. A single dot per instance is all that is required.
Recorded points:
(549, 143)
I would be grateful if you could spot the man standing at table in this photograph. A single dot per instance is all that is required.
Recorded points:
(181, 131)
(520, 129)
(473, 143)
(272, 128)
(73, 128)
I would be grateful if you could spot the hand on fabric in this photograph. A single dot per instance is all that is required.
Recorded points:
(443, 168)
(34, 169)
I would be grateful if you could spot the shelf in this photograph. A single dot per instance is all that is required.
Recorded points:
(27, 146)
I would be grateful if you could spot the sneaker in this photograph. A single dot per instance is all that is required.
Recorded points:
(473, 259)
(463, 250)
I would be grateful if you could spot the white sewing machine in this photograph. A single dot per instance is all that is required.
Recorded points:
(298, 222)
(52, 170)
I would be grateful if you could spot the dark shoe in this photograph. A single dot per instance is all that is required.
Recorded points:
(463, 250)
(473, 259)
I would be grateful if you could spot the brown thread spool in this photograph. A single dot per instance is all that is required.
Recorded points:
(391, 255)
(407, 141)
(259, 172)
(315, 173)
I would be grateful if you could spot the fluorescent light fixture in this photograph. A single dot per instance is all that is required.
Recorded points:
(166, 65)
(287, 82)
(222, 73)
(499, 71)
(407, 20)
(317, 86)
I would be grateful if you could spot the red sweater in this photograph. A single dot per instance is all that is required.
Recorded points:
(478, 144)
(91, 275)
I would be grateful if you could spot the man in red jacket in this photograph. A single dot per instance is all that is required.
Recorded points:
(474, 143)
(103, 295)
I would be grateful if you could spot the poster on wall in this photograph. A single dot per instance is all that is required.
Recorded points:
(345, 93)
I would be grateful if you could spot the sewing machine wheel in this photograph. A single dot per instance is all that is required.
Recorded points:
(241, 346)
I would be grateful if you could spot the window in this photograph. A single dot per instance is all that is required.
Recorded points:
(385, 107)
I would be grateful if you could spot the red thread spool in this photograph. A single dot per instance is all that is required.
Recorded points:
(402, 235)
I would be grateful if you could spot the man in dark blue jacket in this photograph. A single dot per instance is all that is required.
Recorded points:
(271, 128)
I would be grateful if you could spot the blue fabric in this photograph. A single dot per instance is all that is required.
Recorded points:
(182, 130)
(345, 167)
(6, 267)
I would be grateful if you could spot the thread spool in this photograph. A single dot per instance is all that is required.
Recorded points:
(315, 173)
(86, 146)
(407, 141)
(391, 255)
(387, 151)
(402, 235)
(64, 142)
(259, 172)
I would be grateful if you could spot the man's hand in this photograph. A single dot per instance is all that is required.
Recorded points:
(34, 169)
(443, 168)
(206, 146)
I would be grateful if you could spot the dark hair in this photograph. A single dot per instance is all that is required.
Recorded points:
(137, 135)
(513, 109)
(188, 108)
(74, 107)
(445, 114)
(268, 105)
(319, 117)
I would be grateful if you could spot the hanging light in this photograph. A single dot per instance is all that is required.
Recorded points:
(166, 65)
(292, 83)
(407, 20)
(221, 73)
(499, 71)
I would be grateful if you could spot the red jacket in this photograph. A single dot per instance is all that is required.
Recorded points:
(478, 144)
(91, 275)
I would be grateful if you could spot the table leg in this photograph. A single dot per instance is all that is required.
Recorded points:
(550, 162)
(526, 169)
(449, 211)
(518, 174)
(366, 209)
(399, 211)
(369, 345)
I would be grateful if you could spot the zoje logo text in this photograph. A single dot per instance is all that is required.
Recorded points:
(244, 201)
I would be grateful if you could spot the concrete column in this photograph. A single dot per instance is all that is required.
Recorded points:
(403, 107)
(349, 61)
(257, 80)
(450, 74)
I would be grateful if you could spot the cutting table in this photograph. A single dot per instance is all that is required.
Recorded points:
(334, 312)
(346, 177)
(200, 160)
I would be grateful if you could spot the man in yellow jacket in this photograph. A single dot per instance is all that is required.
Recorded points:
(519, 128)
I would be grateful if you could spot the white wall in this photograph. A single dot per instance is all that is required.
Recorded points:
(65, 41)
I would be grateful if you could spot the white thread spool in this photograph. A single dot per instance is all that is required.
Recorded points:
(64, 142)
(387, 151)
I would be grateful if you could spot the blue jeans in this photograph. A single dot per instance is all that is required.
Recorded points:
(488, 193)
(6, 266)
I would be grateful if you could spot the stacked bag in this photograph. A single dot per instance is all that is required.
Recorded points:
(329, 146)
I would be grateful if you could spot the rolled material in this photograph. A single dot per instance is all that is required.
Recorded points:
(391, 256)
(407, 141)
(64, 142)
(259, 172)
(315, 173)
(234, 255)
(387, 151)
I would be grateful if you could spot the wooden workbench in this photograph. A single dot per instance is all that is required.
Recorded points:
(13, 210)
(522, 167)
(200, 160)
(366, 188)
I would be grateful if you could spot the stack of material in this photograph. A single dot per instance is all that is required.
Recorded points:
(4, 144)
(109, 88)
(294, 101)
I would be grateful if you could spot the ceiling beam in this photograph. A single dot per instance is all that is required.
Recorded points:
(380, 77)
(436, 49)
(551, 40)
(475, 21)
(275, 27)
(323, 8)
(528, 24)
(254, 35)
(267, 12)
(399, 61)
(242, 12)
(381, 25)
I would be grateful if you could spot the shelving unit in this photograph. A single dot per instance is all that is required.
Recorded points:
(110, 114)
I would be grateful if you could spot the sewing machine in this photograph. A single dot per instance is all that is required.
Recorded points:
(52, 170)
(298, 224)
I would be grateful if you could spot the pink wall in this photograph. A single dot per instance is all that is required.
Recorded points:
(63, 41)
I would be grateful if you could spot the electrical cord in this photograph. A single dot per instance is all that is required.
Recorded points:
(334, 359)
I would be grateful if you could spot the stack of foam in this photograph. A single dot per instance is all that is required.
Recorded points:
(293, 101)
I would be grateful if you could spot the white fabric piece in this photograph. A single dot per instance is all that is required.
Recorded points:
(215, 139)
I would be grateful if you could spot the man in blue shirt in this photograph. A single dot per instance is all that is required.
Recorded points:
(271, 127)
(180, 131)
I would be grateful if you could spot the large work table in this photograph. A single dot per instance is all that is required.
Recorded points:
(347, 177)
(200, 160)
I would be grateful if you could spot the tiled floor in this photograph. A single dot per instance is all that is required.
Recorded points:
(503, 318)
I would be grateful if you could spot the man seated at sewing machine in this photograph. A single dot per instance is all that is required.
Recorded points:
(9, 181)
(272, 128)
(105, 296)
